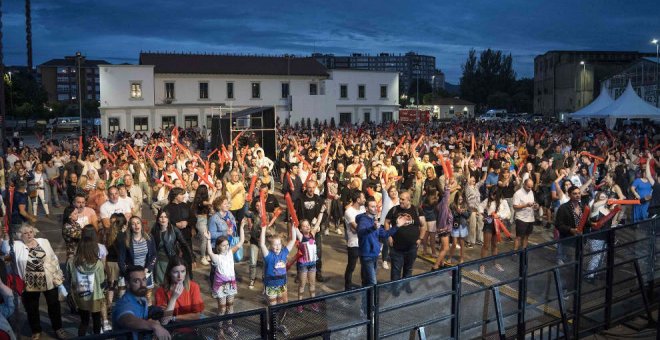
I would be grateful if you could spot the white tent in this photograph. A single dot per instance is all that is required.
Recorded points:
(603, 101)
(628, 106)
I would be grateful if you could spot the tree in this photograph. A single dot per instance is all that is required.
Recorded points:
(490, 75)
(309, 123)
(316, 123)
(332, 123)
(499, 100)
(424, 87)
(22, 89)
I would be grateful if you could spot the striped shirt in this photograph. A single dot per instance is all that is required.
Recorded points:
(140, 252)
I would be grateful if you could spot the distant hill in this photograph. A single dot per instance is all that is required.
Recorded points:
(453, 89)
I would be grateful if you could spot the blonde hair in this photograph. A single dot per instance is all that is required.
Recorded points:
(25, 226)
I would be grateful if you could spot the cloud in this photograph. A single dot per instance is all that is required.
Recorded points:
(117, 30)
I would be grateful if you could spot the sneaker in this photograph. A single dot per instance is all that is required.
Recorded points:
(339, 232)
(386, 265)
(62, 334)
(469, 245)
(251, 286)
(106, 326)
(479, 243)
(204, 261)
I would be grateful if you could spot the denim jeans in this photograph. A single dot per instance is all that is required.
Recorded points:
(368, 270)
(402, 262)
(254, 256)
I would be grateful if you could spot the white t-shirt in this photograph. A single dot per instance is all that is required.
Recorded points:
(349, 217)
(522, 197)
(224, 265)
(121, 207)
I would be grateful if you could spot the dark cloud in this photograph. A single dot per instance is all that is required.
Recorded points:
(117, 30)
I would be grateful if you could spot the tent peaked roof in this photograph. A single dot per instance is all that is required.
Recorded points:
(628, 105)
(603, 101)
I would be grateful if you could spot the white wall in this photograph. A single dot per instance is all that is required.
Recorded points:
(372, 103)
(115, 82)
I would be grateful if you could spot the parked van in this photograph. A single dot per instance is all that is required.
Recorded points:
(493, 115)
(66, 124)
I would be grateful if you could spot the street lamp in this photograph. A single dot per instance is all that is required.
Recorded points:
(11, 93)
(657, 61)
(584, 70)
(78, 61)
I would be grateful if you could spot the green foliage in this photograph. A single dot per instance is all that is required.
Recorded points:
(24, 89)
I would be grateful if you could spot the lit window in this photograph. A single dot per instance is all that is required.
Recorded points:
(136, 90)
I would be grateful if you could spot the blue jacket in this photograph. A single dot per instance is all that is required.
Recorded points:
(368, 235)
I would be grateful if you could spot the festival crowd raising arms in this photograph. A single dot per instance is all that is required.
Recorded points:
(393, 191)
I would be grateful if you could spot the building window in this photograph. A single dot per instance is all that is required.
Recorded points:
(367, 117)
(383, 92)
(361, 91)
(140, 124)
(113, 124)
(169, 90)
(230, 90)
(168, 121)
(190, 122)
(313, 89)
(136, 90)
(256, 90)
(204, 90)
(345, 118)
(387, 117)
(285, 90)
(343, 91)
(209, 121)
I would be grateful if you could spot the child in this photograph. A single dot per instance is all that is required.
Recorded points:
(275, 266)
(460, 228)
(306, 263)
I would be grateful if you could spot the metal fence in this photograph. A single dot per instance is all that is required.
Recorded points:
(561, 289)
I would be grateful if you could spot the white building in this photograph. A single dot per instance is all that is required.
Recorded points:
(187, 90)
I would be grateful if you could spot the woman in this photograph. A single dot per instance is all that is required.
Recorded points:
(445, 222)
(38, 267)
(431, 193)
(110, 239)
(492, 207)
(266, 178)
(138, 249)
(179, 296)
(169, 243)
(87, 277)
(82, 184)
(217, 191)
(201, 209)
(642, 189)
(39, 181)
(332, 202)
(222, 222)
(71, 230)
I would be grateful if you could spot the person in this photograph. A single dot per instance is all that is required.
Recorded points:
(431, 191)
(138, 249)
(404, 244)
(492, 208)
(224, 287)
(169, 243)
(201, 209)
(445, 224)
(110, 238)
(642, 189)
(271, 204)
(86, 215)
(136, 194)
(309, 206)
(39, 181)
(88, 281)
(524, 207)
(275, 266)
(369, 231)
(114, 205)
(459, 232)
(97, 197)
(179, 296)
(355, 208)
(7, 307)
(19, 210)
(222, 222)
(71, 230)
(179, 214)
(236, 192)
(38, 267)
(131, 311)
(567, 220)
(306, 262)
(598, 211)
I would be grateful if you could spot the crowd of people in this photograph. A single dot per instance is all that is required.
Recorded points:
(393, 191)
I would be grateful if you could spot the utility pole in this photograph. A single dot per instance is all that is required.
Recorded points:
(79, 62)
(2, 91)
(28, 34)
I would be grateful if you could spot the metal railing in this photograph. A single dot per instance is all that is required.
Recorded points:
(562, 289)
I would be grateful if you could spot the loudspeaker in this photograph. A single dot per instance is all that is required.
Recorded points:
(269, 144)
(268, 118)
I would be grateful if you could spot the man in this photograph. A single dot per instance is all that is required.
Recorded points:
(293, 183)
(308, 207)
(372, 181)
(114, 205)
(19, 210)
(524, 207)
(566, 220)
(131, 311)
(369, 232)
(355, 208)
(86, 215)
(72, 167)
(412, 229)
(263, 161)
(545, 177)
(136, 194)
(236, 191)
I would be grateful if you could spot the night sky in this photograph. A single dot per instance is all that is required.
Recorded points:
(117, 30)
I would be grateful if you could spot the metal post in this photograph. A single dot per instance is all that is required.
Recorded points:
(577, 274)
(499, 312)
(78, 59)
(522, 292)
(2, 91)
(372, 312)
(456, 303)
(562, 309)
(657, 83)
(609, 289)
(640, 282)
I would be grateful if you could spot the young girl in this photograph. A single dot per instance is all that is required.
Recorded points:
(87, 277)
(459, 231)
(224, 279)
(275, 266)
(306, 263)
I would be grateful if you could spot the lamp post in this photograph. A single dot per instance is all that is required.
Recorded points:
(78, 61)
(11, 94)
(584, 70)
(657, 61)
